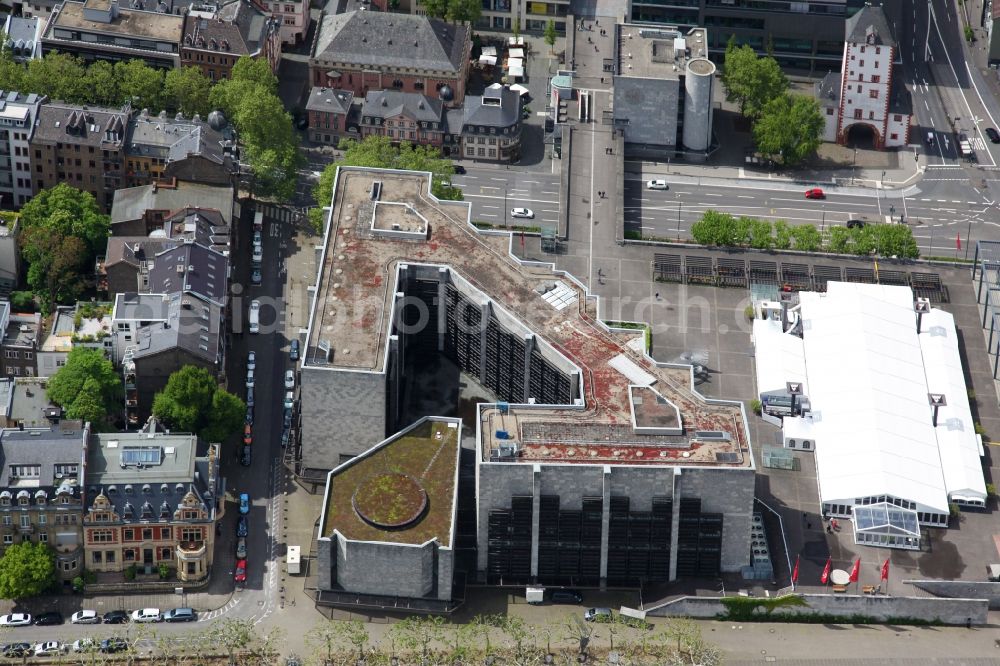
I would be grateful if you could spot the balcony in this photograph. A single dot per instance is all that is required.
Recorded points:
(26, 529)
(191, 550)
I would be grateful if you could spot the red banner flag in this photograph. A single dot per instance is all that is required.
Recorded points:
(826, 572)
(958, 241)
(855, 570)
(795, 571)
(885, 569)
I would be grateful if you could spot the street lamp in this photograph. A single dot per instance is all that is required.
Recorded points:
(822, 225)
(679, 218)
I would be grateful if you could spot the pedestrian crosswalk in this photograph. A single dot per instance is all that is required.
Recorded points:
(279, 213)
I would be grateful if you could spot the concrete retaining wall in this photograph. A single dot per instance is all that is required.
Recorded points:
(881, 609)
(961, 589)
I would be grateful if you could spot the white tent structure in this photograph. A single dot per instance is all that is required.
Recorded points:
(868, 377)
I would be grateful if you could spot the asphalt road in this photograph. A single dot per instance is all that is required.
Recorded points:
(493, 191)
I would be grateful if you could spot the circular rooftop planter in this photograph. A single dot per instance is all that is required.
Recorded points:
(390, 500)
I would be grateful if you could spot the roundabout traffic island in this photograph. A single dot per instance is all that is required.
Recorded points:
(390, 501)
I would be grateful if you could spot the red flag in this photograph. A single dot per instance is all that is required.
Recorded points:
(855, 570)
(826, 572)
(795, 571)
(958, 241)
(885, 569)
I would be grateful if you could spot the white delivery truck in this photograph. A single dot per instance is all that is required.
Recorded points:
(293, 560)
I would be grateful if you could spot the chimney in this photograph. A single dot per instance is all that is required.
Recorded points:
(921, 306)
(936, 401)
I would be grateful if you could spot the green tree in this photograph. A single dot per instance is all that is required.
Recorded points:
(841, 241)
(550, 33)
(102, 82)
(516, 27)
(12, 73)
(790, 128)
(187, 90)
(87, 387)
(893, 240)
(192, 401)
(26, 570)
(807, 238)
(58, 75)
(140, 84)
(57, 265)
(435, 8)
(66, 210)
(782, 235)
(760, 235)
(751, 81)
(714, 228)
(464, 11)
(256, 71)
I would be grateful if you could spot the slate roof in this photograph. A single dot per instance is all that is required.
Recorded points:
(828, 90)
(46, 447)
(191, 268)
(392, 40)
(393, 103)
(900, 100)
(179, 471)
(23, 36)
(131, 203)
(64, 123)
(330, 100)
(195, 329)
(173, 139)
(238, 28)
(499, 106)
(202, 225)
(867, 20)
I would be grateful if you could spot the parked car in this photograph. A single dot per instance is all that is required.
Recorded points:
(289, 401)
(146, 615)
(257, 238)
(255, 276)
(855, 224)
(180, 615)
(250, 396)
(241, 571)
(289, 379)
(286, 421)
(242, 526)
(246, 458)
(48, 649)
(525, 213)
(16, 650)
(85, 617)
(250, 378)
(285, 437)
(49, 619)
(565, 597)
(115, 617)
(247, 434)
(293, 350)
(252, 360)
(815, 193)
(85, 645)
(255, 316)
(241, 548)
(459, 169)
(993, 134)
(112, 645)
(15, 620)
(249, 418)
(244, 503)
(657, 184)
(597, 615)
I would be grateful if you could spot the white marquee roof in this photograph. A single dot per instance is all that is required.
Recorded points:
(868, 376)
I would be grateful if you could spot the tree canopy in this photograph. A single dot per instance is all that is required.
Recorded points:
(63, 231)
(249, 99)
(457, 11)
(26, 570)
(751, 81)
(192, 401)
(789, 128)
(87, 387)
(379, 152)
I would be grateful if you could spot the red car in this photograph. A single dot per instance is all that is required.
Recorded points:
(247, 434)
(815, 193)
(241, 571)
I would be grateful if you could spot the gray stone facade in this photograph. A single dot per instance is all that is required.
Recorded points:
(394, 570)
(343, 414)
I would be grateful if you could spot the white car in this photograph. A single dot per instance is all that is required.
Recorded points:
(250, 378)
(252, 361)
(85, 645)
(255, 316)
(526, 213)
(15, 620)
(289, 379)
(48, 648)
(146, 615)
(85, 617)
(656, 185)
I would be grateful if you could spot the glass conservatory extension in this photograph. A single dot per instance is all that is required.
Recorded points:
(886, 525)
